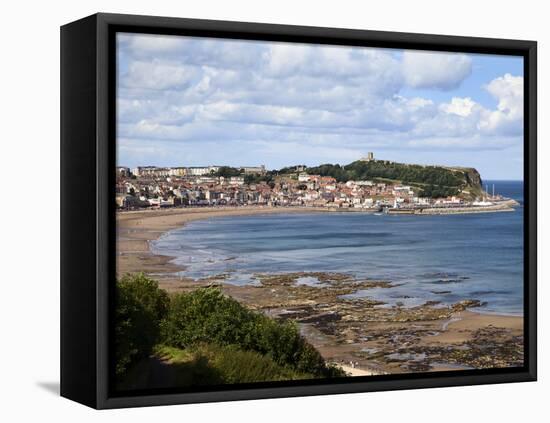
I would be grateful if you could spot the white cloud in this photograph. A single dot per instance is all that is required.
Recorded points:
(151, 44)
(459, 106)
(508, 117)
(178, 93)
(158, 75)
(465, 117)
(443, 71)
(475, 142)
(192, 50)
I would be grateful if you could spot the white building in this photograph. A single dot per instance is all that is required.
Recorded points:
(123, 171)
(178, 171)
(253, 169)
(202, 170)
(152, 171)
(402, 189)
(303, 177)
(207, 180)
(421, 200)
(236, 180)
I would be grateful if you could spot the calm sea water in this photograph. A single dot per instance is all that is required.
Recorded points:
(438, 258)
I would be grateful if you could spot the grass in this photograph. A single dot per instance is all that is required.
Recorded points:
(209, 364)
(173, 355)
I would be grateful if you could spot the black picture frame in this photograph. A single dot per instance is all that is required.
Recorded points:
(87, 216)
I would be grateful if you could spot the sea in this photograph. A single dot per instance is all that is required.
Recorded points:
(445, 258)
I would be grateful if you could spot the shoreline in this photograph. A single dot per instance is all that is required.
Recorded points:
(136, 228)
(339, 340)
(507, 205)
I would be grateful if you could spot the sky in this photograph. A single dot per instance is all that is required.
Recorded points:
(190, 101)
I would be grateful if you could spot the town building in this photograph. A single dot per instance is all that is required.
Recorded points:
(123, 171)
(202, 170)
(248, 170)
(368, 158)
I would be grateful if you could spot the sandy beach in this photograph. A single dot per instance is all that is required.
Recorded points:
(136, 228)
(376, 340)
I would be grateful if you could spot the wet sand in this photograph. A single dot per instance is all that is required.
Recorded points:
(136, 228)
(375, 338)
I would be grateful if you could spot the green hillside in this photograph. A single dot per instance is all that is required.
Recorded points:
(431, 181)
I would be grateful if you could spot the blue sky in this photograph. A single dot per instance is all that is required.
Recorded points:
(186, 101)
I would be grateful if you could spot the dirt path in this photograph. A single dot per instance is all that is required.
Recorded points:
(161, 374)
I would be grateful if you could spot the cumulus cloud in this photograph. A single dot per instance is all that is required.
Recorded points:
(148, 44)
(185, 95)
(191, 50)
(463, 115)
(159, 76)
(435, 70)
(508, 117)
(459, 106)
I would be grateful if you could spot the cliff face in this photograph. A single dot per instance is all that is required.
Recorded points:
(474, 177)
(471, 175)
(473, 185)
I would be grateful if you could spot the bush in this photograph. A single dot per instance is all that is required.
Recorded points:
(207, 316)
(140, 306)
(204, 315)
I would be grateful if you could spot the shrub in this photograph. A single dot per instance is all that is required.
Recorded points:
(207, 316)
(204, 315)
(140, 306)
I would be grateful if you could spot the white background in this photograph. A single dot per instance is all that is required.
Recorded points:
(29, 102)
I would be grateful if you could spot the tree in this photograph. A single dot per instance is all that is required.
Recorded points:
(227, 172)
(140, 307)
(207, 316)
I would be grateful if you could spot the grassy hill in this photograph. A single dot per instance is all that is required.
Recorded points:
(432, 181)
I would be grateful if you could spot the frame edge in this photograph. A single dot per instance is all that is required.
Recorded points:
(77, 258)
(105, 22)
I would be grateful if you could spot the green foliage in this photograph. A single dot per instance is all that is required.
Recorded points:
(336, 171)
(251, 178)
(256, 178)
(289, 169)
(437, 181)
(210, 364)
(212, 338)
(140, 306)
(238, 366)
(207, 316)
(204, 315)
(227, 172)
(438, 192)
